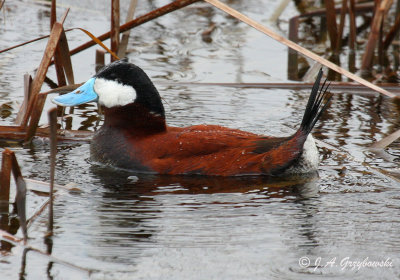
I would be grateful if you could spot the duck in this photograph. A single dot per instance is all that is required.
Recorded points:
(135, 135)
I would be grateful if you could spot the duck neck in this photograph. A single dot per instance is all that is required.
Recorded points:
(135, 119)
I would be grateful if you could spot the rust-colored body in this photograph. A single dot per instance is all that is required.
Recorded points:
(199, 149)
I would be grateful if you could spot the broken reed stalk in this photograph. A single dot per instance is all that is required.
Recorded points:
(20, 197)
(57, 44)
(100, 60)
(373, 37)
(57, 56)
(18, 133)
(297, 47)
(39, 38)
(336, 87)
(25, 43)
(125, 36)
(27, 93)
(9, 237)
(69, 187)
(343, 12)
(293, 69)
(6, 166)
(20, 202)
(394, 30)
(35, 104)
(279, 10)
(383, 143)
(10, 164)
(115, 11)
(331, 22)
(59, 69)
(44, 206)
(360, 8)
(352, 21)
(53, 151)
(35, 116)
(53, 13)
(63, 51)
(293, 34)
(178, 4)
(380, 44)
(42, 70)
(97, 41)
(38, 212)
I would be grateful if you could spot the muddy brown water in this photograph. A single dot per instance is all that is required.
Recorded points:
(342, 224)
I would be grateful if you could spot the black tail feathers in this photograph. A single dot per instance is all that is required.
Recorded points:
(317, 103)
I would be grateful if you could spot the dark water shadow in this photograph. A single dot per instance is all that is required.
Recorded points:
(9, 222)
(131, 207)
(122, 182)
(130, 200)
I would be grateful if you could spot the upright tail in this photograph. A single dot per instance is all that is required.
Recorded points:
(317, 103)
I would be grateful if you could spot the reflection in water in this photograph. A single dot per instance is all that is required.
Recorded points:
(133, 206)
(48, 241)
(118, 182)
(22, 273)
(8, 222)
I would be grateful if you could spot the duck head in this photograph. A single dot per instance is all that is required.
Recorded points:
(126, 94)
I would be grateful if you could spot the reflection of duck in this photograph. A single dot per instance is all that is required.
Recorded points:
(123, 184)
(135, 135)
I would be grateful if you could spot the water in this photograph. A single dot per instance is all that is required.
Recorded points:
(134, 226)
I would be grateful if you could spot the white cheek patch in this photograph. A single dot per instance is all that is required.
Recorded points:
(112, 93)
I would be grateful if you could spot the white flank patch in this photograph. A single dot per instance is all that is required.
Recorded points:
(309, 159)
(310, 153)
(112, 93)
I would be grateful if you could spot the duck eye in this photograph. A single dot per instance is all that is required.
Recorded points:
(78, 91)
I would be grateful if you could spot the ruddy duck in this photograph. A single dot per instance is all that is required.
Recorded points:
(135, 135)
